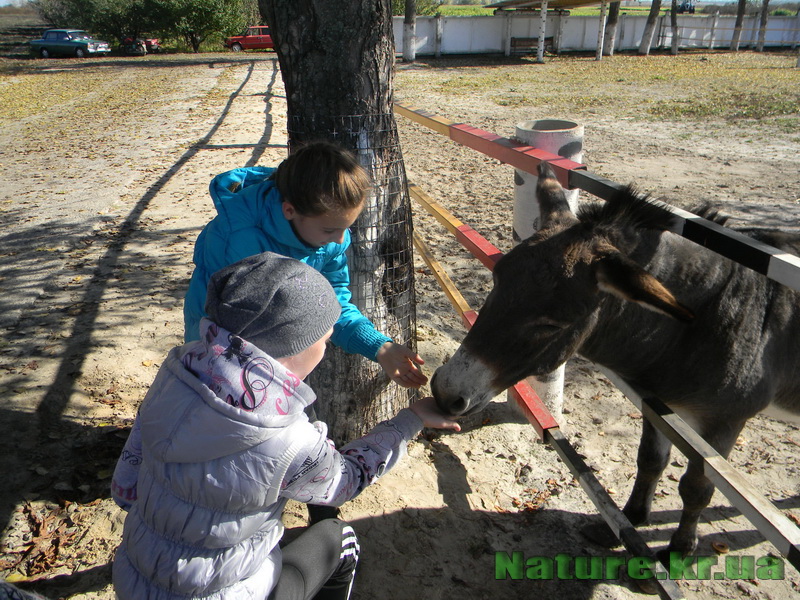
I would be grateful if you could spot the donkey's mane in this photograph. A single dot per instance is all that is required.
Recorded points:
(707, 211)
(627, 208)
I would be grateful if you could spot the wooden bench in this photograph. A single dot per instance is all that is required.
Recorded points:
(529, 45)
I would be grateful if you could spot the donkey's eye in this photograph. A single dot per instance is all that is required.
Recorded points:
(545, 326)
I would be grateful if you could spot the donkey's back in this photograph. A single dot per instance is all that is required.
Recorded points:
(738, 356)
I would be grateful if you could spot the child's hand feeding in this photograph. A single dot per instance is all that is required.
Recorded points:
(431, 416)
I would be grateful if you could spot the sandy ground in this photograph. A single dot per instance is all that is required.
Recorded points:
(98, 287)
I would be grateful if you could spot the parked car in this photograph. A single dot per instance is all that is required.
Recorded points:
(253, 38)
(131, 46)
(68, 42)
(687, 6)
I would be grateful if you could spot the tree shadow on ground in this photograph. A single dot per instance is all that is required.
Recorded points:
(48, 454)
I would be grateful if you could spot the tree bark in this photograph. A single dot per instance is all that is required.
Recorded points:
(737, 28)
(610, 39)
(762, 26)
(410, 32)
(337, 63)
(650, 28)
(673, 21)
(542, 32)
(601, 30)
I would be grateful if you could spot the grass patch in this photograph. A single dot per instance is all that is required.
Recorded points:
(746, 105)
(593, 11)
(694, 86)
(788, 125)
(464, 10)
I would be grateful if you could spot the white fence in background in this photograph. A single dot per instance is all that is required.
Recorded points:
(488, 35)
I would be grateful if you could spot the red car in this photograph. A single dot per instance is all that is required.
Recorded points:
(254, 38)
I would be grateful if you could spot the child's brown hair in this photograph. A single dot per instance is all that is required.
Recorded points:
(321, 177)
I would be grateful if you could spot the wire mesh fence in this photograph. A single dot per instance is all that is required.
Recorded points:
(381, 265)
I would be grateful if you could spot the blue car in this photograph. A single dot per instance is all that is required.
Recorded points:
(68, 42)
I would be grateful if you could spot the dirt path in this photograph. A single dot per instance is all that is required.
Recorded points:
(96, 251)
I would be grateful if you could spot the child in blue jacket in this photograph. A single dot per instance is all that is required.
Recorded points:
(303, 210)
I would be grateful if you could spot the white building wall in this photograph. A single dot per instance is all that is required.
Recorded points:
(489, 35)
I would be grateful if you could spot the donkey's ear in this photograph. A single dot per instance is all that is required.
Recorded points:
(619, 275)
(553, 204)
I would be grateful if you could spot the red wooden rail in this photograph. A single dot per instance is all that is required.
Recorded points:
(527, 399)
(517, 154)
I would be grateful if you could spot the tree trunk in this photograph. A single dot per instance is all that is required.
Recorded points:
(650, 28)
(542, 32)
(601, 30)
(737, 28)
(611, 29)
(762, 26)
(337, 63)
(673, 21)
(410, 32)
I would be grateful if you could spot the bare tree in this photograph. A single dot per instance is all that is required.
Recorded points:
(737, 28)
(410, 32)
(676, 34)
(610, 39)
(337, 63)
(649, 28)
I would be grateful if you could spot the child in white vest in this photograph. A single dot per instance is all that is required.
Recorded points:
(225, 442)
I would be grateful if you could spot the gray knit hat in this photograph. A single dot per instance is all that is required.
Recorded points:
(279, 304)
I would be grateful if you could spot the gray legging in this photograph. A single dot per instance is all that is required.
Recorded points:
(9, 592)
(320, 564)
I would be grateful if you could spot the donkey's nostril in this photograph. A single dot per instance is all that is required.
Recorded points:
(459, 406)
(445, 400)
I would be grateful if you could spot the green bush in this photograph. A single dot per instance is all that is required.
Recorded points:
(425, 8)
(452, 10)
(192, 21)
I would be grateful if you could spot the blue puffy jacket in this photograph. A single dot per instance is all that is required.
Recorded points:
(250, 221)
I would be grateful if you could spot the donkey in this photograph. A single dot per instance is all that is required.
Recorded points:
(716, 342)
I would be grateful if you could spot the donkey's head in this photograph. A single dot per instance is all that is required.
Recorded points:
(547, 294)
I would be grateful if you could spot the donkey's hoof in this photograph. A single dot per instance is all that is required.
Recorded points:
(680, 546)
(600, 534)
(647, 586)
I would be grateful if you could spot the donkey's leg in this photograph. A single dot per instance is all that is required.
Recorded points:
(696, 489)
(651, 461)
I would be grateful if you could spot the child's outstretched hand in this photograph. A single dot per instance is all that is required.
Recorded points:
(400, 364)
(431, 416)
